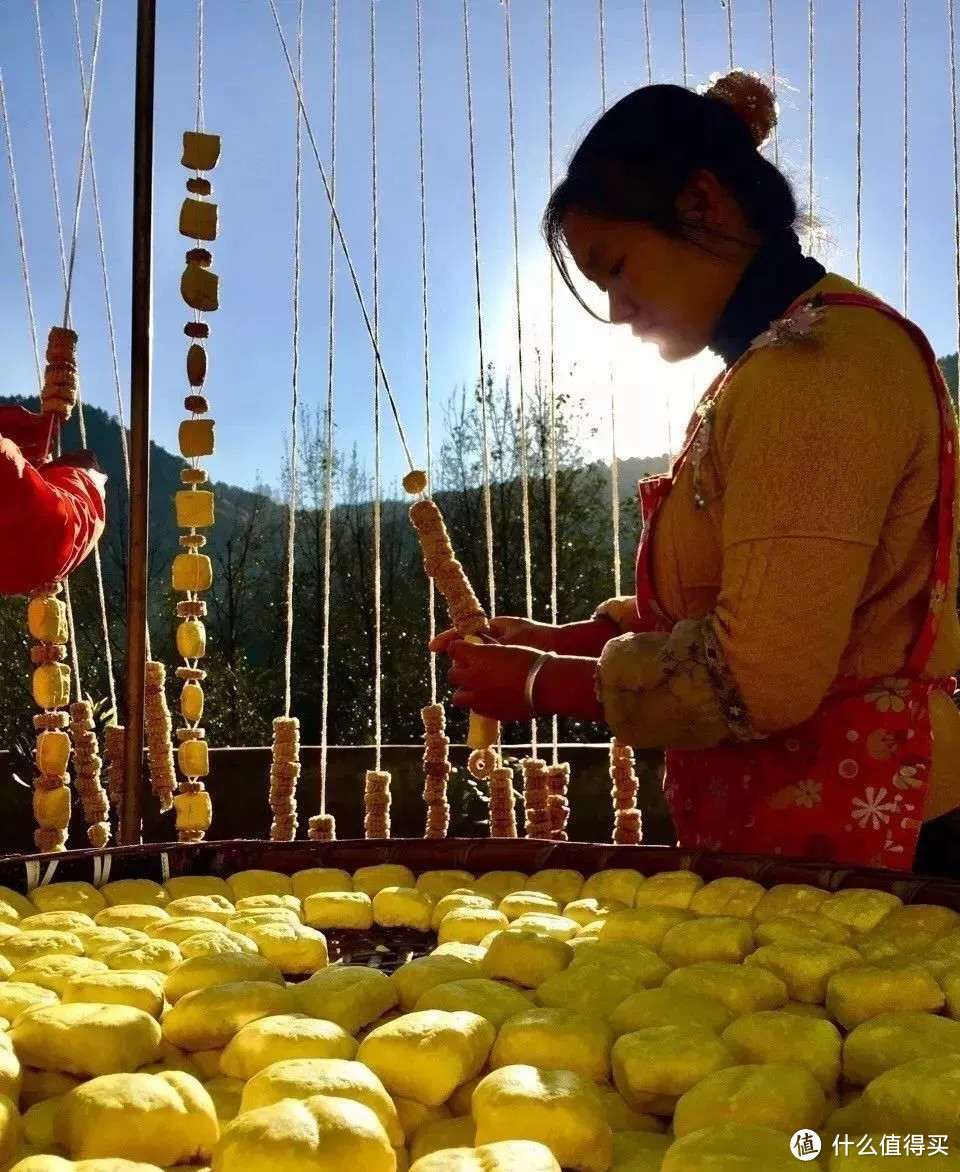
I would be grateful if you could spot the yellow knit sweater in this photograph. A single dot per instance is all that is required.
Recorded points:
(814, 554)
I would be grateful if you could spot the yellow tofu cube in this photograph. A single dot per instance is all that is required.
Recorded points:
(653, 1067)
(84, 1039)
(804, 966)
(416, 977)
(53, 752)
(559, 883)
(51, 808)
(519, 1155)
(617, 885)
(589, 910)
(559, 927)
(207, 1019)
(555, 1039)
(728, 896)
(781, 1095)
(859, 908)
(731, 1147)
(856, 994)
(200, 151)
(47, 620)
(192, 639)
(471, 925)
(921, 1096)
(801, 926)
(142, 990)
(194, 508)
(636, 960)
(498, 884)
(890, 1039)
(458, 901)
(714, 938)
(519, 903)
(375, 878)
(739, 988)
(525, 958)
(789, 897)
(645, 925)
(196, 438)
(203, 972)
(317, 879)
(247, 884)
(339, 909)
(198, 219)
(591, 989)
(352, 996)
(295, 949)
(283, 1038)
(192, 573)
(777, 1036)
(402, 907)
(193, 758)
(51, 685)
(490, 999)
(668, 889)
(191, 702)
(437, 884)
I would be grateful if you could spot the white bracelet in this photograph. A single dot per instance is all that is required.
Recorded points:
(532, 678)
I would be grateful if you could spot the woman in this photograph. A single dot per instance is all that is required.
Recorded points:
(794, 631)
(52, 512)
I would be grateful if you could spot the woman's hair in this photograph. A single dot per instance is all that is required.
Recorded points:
(642, 153)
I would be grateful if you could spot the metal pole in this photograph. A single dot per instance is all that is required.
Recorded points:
(140, 365)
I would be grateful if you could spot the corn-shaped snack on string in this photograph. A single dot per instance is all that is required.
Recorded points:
(436, 771)
(503, 815)
(627, 819)
(192, 569)
(558, 807)
(322, 828)
(536, 797)
(284, 774)
(376, 804)
(47, 623)
(159, 734)
(114, 748)
(59, 393)
(87, 766)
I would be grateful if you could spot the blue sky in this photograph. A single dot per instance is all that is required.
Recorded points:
(250, 102)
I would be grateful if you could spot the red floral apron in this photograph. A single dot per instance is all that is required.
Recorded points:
(849, 785)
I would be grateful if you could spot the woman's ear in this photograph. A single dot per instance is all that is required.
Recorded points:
(702, 201)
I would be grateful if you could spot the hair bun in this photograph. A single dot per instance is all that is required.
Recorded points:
(750, 97)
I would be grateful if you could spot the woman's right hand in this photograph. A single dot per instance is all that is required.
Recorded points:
(509, 632)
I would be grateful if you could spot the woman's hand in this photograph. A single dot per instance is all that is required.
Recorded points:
(508, 632)
(491, 680)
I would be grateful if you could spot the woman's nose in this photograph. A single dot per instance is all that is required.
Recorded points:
(621, 307)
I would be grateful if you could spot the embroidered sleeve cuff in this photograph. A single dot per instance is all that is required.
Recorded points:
(621, 611)
(670, 690)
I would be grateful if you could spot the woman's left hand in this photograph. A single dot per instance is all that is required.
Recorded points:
(491, 679)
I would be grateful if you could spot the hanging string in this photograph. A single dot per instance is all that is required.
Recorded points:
(48, 121)
(522, 400)
(200, 85)
(683, 41)
(328, 416)
(906, 156)
(552, 347)
(773, 73)
(21, 242)
(951, 26)
(647, 40)
(377, 568)
(338, 228)
(860, 141)
(810, 117)
(295, 383)
(431, 596)
(484, 426)
(728, 4)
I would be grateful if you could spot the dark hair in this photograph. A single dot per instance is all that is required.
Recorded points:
(641, 154)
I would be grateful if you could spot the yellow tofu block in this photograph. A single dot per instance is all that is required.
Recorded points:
(497, 884)
(158, 956)
(56, 922)
(207, 1019)
(158, 1118)
(205, 972)
(781, 1095)
(17, 997)
(510, 1156)
(196, 438)
(200, 288)
(351, 995)
(904, 946)
(47, 620)
(38, 1125)
(180, 886)
(85, 1039)
(616, 885)
(16, 902)
(402, 907)
(886, 1041)
(180, 928)
(804, 966)
(340, 1078)
(554, 1107)
(122, 892)
(413, 1115)
(244, 921)
(674, 1007)
(281, 1039)
(417, 976)
(142, 991)
(30, 945)
(638, 1151)
(591, 989)
(51, 808)
(247, 884)
(562, 884)
(198, 219)
(668, 889)
(339, 909)
(191, 573)
(653, 1067)
(200, 151)
(320, 1132)
(555, 1039)
(559, 927)
(778, 1036)
(191, 701)
(490, 999)
(295, 949)
(437, 884)
(426, 1055)
(208, 907)
(193, 757)
(726, 939)
(622, 1117)
(739, 988)
(270, 902)
(133, 917)
(441, 1134)
(590, 910)
(51, 685)
(373, 879)
(526, 902)
(636, 960)
(217, 944)
(525, 958)
(191, 639)
(917, 1097)
(731, 1147)
(856, 994)
(802, 926)
(470, 925)
(728, 896)
(859, 907)
(56, 972)
(789, 897)
(645, 925)
(317, 879)
(471, 953)
(53, 752)
(458, 901)
(226, 1095)
(920, 917)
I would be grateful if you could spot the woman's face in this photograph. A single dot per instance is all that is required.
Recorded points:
(670, 291)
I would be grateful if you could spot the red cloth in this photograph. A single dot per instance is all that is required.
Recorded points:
(51, 515)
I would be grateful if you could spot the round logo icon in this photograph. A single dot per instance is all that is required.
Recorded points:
(805, 1145)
